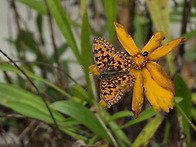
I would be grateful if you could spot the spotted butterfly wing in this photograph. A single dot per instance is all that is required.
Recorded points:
(110, 92)
(120, 63)
(113, 69)
(127, 80)
(103, 52)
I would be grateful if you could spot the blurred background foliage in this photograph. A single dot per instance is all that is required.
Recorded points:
(43, 104)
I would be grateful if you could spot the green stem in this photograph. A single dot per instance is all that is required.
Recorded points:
(185, 116)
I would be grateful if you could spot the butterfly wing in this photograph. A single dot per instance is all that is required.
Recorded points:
(110, 92)
(120, 63)
(103, 52)
(127, 80)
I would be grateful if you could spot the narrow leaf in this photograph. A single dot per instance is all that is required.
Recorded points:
(189, 35)
(85, 41)
(79, 92)
(26, 103)
(39, 6)
(146, 114)
(120, 114)
(39, 23)
(190, 56)
(83, 7)
(183, 91)
(11, 68)
(64, 25)
(33, 106)
(160, 15)
(82, 115)
(143, 116)
(110, 10)
(148, 131)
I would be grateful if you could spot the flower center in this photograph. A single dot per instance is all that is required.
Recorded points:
(139, 60)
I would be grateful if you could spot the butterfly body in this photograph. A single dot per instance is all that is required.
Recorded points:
(114, 71)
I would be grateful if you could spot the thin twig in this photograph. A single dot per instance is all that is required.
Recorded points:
(27, 129)
(3, 135)
(12, 116)
(108, 132)
(33, 133)
(37, 90)
(7, 77)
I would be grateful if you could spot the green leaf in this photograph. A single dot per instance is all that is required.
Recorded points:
(146, 114)
(190, 56)
(33, 106)
(82, 115)
(26, 103)
(86, 48)
(189, 35)
(138, 33)
(83, 7)
(110, 10)
(60, 51)
(39, 6)
(194, 97)
(79, 92)
(85, 41)
(180, 13)
(30, 43)
(39, 22)
(193, 113)
(148, 132)
(120, 114)
(11, 68)
(120, 135)
(64, 26)
(183, 91)
(143, 116)
(160, 16)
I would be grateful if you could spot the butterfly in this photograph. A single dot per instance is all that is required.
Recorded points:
(114, 71)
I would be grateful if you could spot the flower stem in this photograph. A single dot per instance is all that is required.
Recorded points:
(185, 116)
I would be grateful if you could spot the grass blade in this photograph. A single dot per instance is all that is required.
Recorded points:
(86, 48)
(39, 6)
(26, 103)
(110, 10)
(64, 26)
(85, 42)
(183, 91)
(82, 115)
(147, 133)
(11, 68)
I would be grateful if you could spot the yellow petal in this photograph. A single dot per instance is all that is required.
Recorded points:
(93, 70)
(158, 97)
(154, 42)
(102, 103)
(165, 49)
(160, 76)
(125, 39)
(138, 97)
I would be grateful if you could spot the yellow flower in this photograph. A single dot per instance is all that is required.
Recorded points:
(150, 76)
